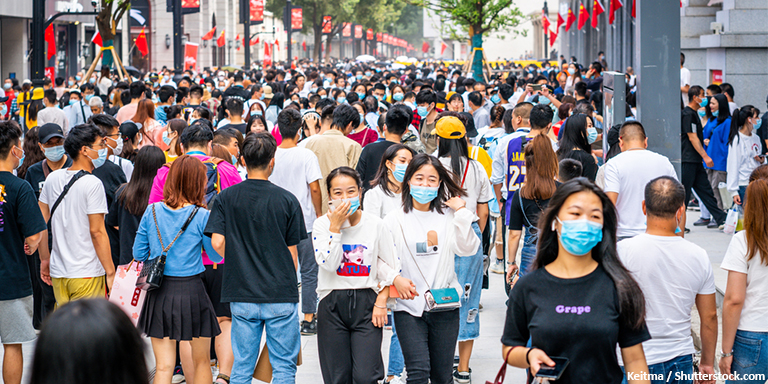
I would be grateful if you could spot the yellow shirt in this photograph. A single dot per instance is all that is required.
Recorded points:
(169, 158)
(480, 155)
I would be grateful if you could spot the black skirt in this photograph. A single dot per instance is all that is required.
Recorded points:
(180, 310)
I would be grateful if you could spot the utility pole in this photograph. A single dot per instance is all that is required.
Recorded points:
(546, 33)
(247, 40)
(38, 43)
(288, 28)
(178, 30)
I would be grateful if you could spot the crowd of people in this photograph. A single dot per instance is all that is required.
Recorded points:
(376, 198)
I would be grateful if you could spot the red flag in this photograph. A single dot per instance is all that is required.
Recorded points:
(614, 5)
(97, 39)
(597, 9)
(209, 35)
(254, 42)
(51, 40)
(425, 47)
(560, 21)
(443, 46)
(141, 43)
(583, 16)
(552, 38)
(237, 38)
(571, 19)
(221, 40)
(277, 43)
(304, 45)
(545, 22)
(267, 54)
(634, 7)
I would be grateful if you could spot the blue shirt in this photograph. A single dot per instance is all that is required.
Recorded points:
(160, 115)
(185, 257)
(718, 144)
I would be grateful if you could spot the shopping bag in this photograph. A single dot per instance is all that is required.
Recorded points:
(125, 294)
(263, 371)
(502, 372)
(731, 221)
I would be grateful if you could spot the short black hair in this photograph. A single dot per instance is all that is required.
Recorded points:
(663, 197)
(541, 116)
(632, 130)
(398, 118)
(165, 92)
(380, 87)
(694, 91)
(475, 98)
(728, 89)
(196, 91)
(289, 122)
(10, 135)
(50, 95)
(569, 169)
(426, 96)
(83, 135)
(343, 171)
(324, 103)
(137, 89)
(506, 91)
(234, 106)
(238, 77)
(581, 88)
(105, 122)
(225, 136)
(345, 114)
(259, 149)
(715, 89)
(197, 134)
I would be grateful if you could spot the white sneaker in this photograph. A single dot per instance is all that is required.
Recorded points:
(395, 380)
(497, 267)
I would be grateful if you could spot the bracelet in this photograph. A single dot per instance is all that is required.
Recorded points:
(726, 354)
(526, 356)
(379, 307)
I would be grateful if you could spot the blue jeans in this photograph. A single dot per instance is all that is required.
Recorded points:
(469, 271)
(668, 370)
(283, 340)
(750, 356)
(396, 363)
(743, 194)
(528, 253)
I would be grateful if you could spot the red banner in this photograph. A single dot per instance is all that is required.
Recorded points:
(379, 37)
(369, 34)
(50, 72)
(267, 55)
(296, 19)
(327, 24)
(358, 31)
(346, 31)
(257, 10)
(190, 56)
(190, 6)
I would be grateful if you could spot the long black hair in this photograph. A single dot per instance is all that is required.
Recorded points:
(722, 107)
(278, 100)
(134, 195)
(447, 189)
(575, 135)
(91, 333)
(631, 300)
(739, 118)
(457, 150)
(382, 175)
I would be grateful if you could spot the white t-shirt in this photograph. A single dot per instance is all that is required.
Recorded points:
(627, 174)
(671, 271)
(295, 169)
(73, 254)
(741, 161)
(755, 309)
(685, 79)
(476, 184)
(125, 164)
(732, 106)
(424, 235)
(379, 204)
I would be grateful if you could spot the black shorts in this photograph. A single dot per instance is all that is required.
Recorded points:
(212, 279)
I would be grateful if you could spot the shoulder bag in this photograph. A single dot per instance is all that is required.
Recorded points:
(152, 272)
(63, 193)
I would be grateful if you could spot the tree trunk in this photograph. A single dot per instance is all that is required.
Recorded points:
(477, 62)
(328, 47)
(318, 29)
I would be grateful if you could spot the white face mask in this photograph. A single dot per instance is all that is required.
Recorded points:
(118, 149)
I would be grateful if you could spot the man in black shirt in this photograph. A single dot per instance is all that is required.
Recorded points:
(234, 109)
(112, 176)
(397, 120)
(262, 224)
(52, 144)
(692, 154)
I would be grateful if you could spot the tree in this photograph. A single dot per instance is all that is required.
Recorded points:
(475, 17)
(107, 21)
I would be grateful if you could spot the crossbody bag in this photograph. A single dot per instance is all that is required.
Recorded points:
(151, 275)
(63, 193)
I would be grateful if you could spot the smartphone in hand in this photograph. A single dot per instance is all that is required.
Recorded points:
(553, 373)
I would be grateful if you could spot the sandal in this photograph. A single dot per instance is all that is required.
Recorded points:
(223, 377)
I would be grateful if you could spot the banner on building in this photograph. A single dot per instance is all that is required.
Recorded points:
(190, 56)
(369, 34)
(379, 37)
(327, 24)
(267, 55)
(297, 18)
(257, 11)
(358, 31)
(346, 31)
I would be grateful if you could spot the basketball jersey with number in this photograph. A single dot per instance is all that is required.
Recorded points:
(515, 169)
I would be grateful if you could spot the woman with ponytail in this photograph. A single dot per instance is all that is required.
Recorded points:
(745, 331)
(743, 150)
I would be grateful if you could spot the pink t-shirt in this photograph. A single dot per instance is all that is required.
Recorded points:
(228, 175)
(126, 113)
(276, 133)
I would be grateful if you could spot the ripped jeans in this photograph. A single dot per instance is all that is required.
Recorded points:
(469, 270)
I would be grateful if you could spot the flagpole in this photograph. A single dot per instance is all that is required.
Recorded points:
(546, 32)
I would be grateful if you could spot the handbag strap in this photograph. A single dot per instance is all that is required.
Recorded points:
(64, 192)
(503, 371)
(429, 286)
(465, 174)
(183, 228)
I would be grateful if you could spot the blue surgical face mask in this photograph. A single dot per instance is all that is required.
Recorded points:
(70, 82)
(543, 100)
(422, 111)
(88, 97)
(702, 113)
(399, 172)
(72, 101)
(256, 112)
(21, 159)
(341, 100)
(591, 134)
(496, 99)
(77, 78)
(92, 80)
(359, 77)
(572, 71)
(361, 95)
(98, 162)
(234, 160)
(704, 102)
(362, 118)
(368, 74)
(757, 125)
(3, 109)
(397, 97)
(7, 86)
(424, 195)
(54, 153)
(578, 237)
(313, 90)
(715, 113)
(167, 140)
(354, 204)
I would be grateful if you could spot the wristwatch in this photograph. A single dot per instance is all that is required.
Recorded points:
(726, 354)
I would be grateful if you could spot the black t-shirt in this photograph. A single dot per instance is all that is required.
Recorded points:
(370, 159)
(112, 176)
(20, 218)
(36, 174)
(240, 127)
(573, 318)
(260, 221)
(763, 132)
(691, 124)
(119, 217)
(526, 214)
(588, 164)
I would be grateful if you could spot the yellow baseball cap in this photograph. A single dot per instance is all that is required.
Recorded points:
(38, 94)
(449, 127)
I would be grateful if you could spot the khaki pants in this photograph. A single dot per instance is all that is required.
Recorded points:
(66, 290)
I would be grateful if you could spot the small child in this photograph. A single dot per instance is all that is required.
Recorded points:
(568, 169)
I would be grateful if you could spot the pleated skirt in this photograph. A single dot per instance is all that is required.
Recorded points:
(180, 310)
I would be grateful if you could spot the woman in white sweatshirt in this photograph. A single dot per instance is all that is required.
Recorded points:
(433, 226)
(744, 149)
(384, 195)
(357, 262)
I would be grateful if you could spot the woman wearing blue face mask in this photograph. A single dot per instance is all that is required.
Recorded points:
(744, 151)
(383, 196)
(433, 226)
(579, 301)
(716, 137)
(577, 135)
(357, 261)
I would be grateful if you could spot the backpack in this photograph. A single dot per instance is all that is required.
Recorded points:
(213, 185)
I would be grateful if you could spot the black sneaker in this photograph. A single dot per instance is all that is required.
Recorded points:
(701, 222)
(462, 377)
(309, 328)
(712, 225)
